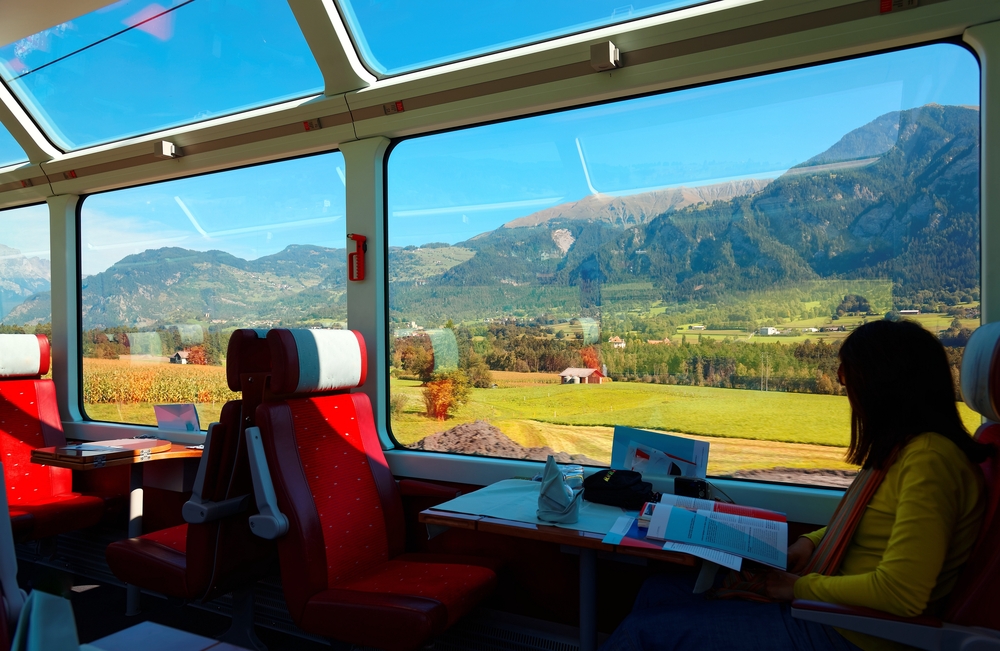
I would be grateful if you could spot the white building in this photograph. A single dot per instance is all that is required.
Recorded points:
(767, 331)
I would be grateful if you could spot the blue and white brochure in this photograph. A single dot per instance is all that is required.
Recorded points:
(763, 541)
(655, 454)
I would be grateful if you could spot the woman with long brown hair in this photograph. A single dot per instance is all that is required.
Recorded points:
(898, 539)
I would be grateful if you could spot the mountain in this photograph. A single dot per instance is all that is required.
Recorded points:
(639, 208)
(895, 199)
(174, 285)
(20, 278)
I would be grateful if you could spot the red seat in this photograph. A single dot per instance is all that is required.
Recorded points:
(972, 619)
(215, 553)
(343, 569)
(41, 498)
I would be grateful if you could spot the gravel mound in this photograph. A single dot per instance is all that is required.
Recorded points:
(482, 439)
(814, 476)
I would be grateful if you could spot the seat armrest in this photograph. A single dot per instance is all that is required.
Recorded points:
(415, 488)
(199, 479)
(202, 512)
(271, 523)
(920, 632)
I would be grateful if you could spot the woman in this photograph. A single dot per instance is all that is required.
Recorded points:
(898, 539)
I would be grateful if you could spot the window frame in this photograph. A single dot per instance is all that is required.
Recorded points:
(732, 484)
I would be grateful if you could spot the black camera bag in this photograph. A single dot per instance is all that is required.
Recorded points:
(623, 488)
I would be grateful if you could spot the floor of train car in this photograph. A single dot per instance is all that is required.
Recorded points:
(74, 565)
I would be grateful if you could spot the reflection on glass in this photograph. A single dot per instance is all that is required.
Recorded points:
(688, 262)
(171, 269)
(10, 151)
(25, 271)
(135, 67)
(396, 36)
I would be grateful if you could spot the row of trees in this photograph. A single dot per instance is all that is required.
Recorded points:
(203, 345)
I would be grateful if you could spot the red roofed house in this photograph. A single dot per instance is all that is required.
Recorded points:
(582, 376)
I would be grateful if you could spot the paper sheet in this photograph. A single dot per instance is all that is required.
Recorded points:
(764, 541)
(731, 561)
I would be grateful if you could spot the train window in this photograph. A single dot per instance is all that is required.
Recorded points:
(135, 67)
(10, 151)
(399, 36)
(686, 262)
(25, 270)
(171, 269)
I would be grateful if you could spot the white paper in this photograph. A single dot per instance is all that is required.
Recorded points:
(652, 462)
(764, 541)
(731, 561)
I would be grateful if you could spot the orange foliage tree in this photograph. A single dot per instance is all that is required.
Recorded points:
(591, 358)
(197, 355)
(445, 392)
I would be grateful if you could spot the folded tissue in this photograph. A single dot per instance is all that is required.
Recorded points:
(557, 502)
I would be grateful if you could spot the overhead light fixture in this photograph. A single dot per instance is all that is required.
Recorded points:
(604, 56)
(166, 149)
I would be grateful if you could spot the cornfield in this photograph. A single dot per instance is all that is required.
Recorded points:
(122, 382)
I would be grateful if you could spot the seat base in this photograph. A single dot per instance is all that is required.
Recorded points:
(400, 605)
(55, 515)
(156, 561)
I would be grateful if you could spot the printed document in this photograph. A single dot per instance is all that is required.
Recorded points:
(764, 541)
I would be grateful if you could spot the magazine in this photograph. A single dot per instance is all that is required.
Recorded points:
(695, 504)
(756, 539)
(654, 454)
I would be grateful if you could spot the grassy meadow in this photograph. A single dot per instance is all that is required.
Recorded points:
(747, 429)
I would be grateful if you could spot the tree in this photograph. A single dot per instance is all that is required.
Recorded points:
(197, 355)
(445, 393)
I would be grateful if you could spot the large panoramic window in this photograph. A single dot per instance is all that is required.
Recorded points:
(688, 262)
(396, 36)
(171, 269)
(135, 67)
(25, 271)
(10, 151)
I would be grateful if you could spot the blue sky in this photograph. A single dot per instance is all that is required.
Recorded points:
(213, 56)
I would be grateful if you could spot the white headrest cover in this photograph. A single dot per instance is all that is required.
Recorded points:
(328, 359)
(21, 356)
(981, 371)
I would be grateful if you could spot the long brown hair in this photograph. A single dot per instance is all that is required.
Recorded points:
(899, 385)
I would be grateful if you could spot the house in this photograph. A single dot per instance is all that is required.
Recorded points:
(696, 327)
(810, 329)
(617, 342)
(582, 376)
(180, 357)
(909, 312)
(767, 331)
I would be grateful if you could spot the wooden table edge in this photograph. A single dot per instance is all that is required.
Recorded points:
(176, 451)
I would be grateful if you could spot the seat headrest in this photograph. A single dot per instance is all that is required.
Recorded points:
(305, 361)
(247, 352)
(981, 371)
(23, 355)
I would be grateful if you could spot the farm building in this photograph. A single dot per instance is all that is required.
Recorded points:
(180, 357)
(909, 312)
(582, 376)
(617, 342)
(768, 331)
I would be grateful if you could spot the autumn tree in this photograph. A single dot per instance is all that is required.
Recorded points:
(445, 392)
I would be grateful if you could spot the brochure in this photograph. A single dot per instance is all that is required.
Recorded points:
(654, 454)
(763, 541)
(695, 504)
(627, 533)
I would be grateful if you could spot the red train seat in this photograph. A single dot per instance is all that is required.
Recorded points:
(40, 498)
(972, 619)
(340, 527)
(214, 552)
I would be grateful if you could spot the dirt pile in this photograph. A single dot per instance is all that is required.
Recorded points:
(482, 439)
(811, 476)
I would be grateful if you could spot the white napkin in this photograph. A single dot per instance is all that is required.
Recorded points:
(557, 502)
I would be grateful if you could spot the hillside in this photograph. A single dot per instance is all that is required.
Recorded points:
(896, 199)
(639, 208)
(20, 278)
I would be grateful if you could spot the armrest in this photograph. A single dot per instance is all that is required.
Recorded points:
(198, 510)
(920, 632)
(415, 488)
(271, 523)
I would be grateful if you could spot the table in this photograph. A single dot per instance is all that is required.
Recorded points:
(150, 636)
(588, 543)
(159, 450)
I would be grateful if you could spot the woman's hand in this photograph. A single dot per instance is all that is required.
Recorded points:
(799, 554)
(780, 586)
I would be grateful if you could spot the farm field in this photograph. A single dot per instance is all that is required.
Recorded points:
(748, 429)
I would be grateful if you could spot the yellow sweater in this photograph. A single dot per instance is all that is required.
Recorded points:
(909, 548)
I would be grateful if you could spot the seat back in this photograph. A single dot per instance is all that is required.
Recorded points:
(974, 598)
(330, 476)
(29, 419)
(223, 554)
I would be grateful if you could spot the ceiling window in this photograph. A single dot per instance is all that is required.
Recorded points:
(396, 36)
(135, 67)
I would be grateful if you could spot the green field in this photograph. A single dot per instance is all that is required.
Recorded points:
(787, 429)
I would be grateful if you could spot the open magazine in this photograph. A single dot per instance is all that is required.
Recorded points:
(756, 539)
